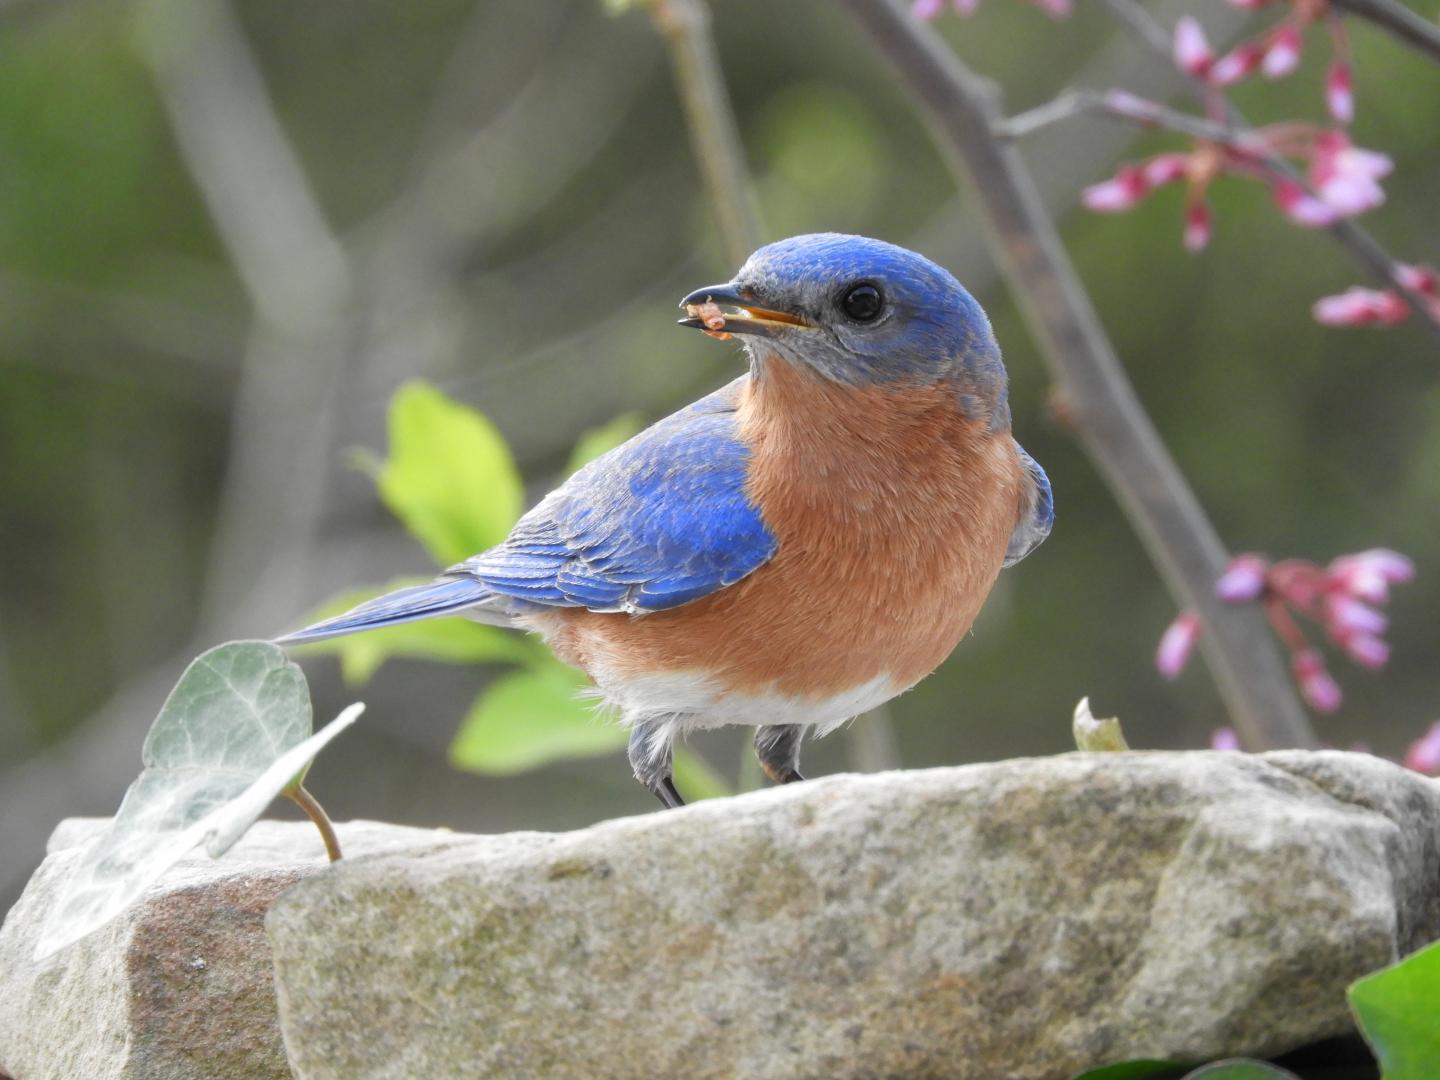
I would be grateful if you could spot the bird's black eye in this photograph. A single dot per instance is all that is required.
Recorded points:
(863, 303)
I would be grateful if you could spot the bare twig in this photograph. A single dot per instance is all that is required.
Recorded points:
(1357, 240)
(300, 285)
(1400, 22)
(1112, 423)
(685, 26)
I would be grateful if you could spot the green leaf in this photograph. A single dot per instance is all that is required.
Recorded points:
(697, 779)
(232, 735)
(1240, 1069)
(1096, 735)
(1131, 1070)
(450, 477)
(1397, 1009)
(600, 439)
(532, 718)
(454, 640)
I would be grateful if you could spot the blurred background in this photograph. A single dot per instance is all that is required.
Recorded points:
(228, 233)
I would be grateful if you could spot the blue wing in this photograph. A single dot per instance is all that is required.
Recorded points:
(1037, 511)
(657, 522)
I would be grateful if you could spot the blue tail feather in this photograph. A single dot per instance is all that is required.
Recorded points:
(447, 596)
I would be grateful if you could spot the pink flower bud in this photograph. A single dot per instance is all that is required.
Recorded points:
(1360, 307)
(1197, 225)
(1368, 575)
(1249, 5)
(1346, 615)
(1192, 51)
(1122, 191)
(1339, 92)
(1367, 650)
(926, 9)
(1283, 54)
(1236, 64)
(1224, 738)
(1424, 753)
(1316, 686)
(1244, 579)
(1422, 279)
(1301, 207)
(1176, 644)
(1164, 169)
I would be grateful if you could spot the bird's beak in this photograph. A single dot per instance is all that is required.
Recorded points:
(721, 310)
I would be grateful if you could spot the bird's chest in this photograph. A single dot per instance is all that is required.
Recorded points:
(893, 512)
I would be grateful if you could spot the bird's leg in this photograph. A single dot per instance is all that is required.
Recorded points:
(778, 748)
(650, 757)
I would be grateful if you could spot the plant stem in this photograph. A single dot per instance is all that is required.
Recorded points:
(316, 813)
(1111, 421)
(685, 27)
(1400, 22)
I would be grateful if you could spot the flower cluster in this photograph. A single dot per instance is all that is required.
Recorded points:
(1379, 307)
(1343, 599)
(1275, 53)
(930, 9)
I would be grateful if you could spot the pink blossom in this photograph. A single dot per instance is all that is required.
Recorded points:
(1283, 54)
(1192, 52)
(1244, 579)
(1420, 278)
(1345, 176)
(1249, 5)
(1360, 307)
(1237, 64)
(1176, 644)
(1424, 753)
(1339, 92)
(1368, 575)
(1367, 650)
(1224, 738)
(1303, 208)
(1122, 191)
(1164, 169)
(1316, 685)
(1197, 225)
(927, 9)
(1346, 615)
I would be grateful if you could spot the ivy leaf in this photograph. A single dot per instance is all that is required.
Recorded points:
(233, 734)
(599, 440)
(1396, 1008)
(450, 477)
(454, 640)
(532, 718)
(1240, 1069)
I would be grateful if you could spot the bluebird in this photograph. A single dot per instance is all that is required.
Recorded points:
(796, 548)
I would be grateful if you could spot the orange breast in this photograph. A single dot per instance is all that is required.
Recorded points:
(892, 512)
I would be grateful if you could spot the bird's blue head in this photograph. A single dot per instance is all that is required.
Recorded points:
(860, 312)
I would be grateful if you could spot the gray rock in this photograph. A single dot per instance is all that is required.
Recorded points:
(180, 986)
(1022, 920)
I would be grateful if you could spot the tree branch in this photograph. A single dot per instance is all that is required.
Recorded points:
(685, 26)
(1400, 22)
(1112, 424)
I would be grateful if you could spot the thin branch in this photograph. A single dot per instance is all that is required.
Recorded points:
(1400, 22)
(1112, 423)
(1355, 238)
(685, 26)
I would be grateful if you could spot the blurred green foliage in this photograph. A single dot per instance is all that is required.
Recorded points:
(540, 147)
(452, 482)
